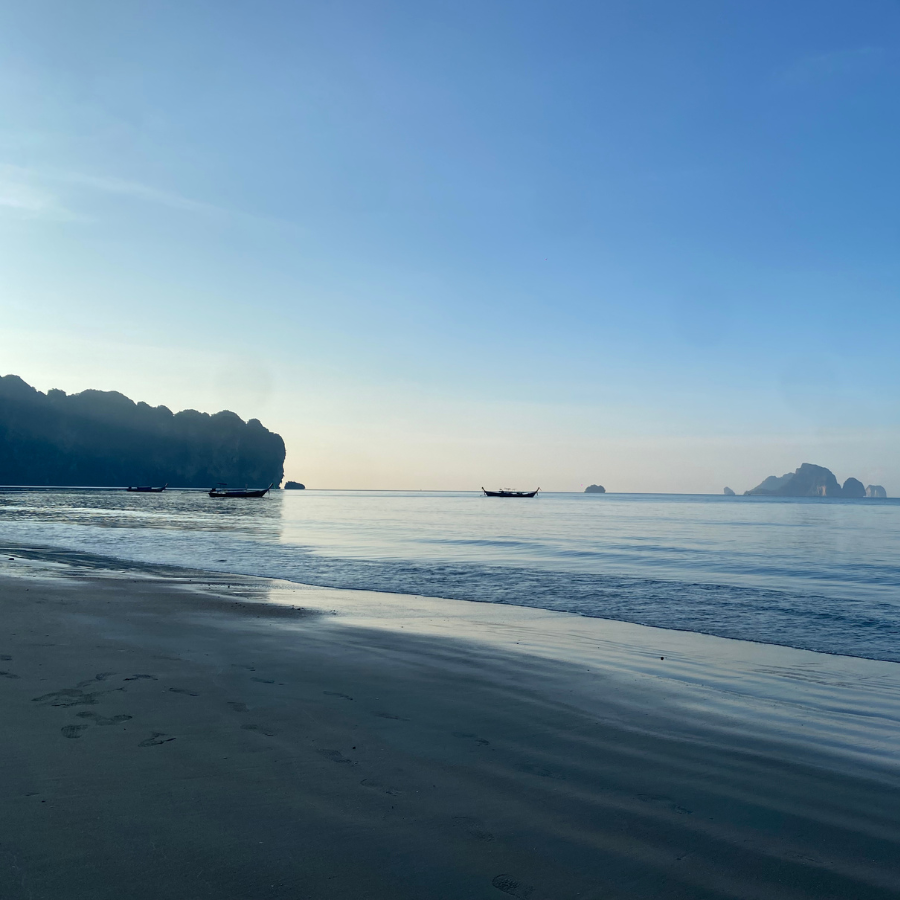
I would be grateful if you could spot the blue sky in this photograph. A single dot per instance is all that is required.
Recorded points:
(444, 244)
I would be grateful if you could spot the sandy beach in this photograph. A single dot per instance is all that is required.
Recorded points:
(172, 734)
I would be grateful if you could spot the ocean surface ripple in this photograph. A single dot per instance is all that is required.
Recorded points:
(821, 575)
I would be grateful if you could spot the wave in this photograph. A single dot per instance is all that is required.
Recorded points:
(840, 624)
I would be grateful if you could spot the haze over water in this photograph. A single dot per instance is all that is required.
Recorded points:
(817, 574)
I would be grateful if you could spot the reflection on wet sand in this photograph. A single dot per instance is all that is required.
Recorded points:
(264, 739)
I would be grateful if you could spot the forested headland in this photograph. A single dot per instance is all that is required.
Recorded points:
(104, 439)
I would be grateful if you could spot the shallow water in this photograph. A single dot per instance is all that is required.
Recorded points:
(817, 574)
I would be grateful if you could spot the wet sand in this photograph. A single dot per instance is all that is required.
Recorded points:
(179, 736)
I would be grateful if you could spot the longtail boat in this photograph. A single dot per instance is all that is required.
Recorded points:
(146, 489)
(238, 493)
(506, 492)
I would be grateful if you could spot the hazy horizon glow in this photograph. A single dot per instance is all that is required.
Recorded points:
(648, 245)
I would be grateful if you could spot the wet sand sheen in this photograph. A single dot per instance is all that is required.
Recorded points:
(166, 738)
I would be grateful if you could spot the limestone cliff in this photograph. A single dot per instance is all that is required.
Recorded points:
(807, 481)
(853, 489)
(103, 439)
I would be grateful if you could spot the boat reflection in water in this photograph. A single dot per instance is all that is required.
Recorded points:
(506, 492)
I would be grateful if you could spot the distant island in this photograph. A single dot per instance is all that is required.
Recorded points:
(595, 489)
(294, 486)
(103, 439)
(813, 481)
(729, 492)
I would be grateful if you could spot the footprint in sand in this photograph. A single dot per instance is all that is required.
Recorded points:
(387, 715)
(378, 786)
(258, 728)
(264, 680)
(5, 657)
(68, 697)
(237, 706)
(338, 694)
(338, 757)
(480, 835)
(512, 886)
(139, 677)
(155, 739)
(4, 674)
(102, 720)
(73, 731)
(100, 676)
(183, 691)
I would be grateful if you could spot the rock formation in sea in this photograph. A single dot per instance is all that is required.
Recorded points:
(807, 481)
(728, 492)
(876, 491)
(103, 439)
(595, 489)
(772, 485)
(853, 488)
(294, 486)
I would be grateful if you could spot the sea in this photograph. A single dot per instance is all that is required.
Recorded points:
(818, 574)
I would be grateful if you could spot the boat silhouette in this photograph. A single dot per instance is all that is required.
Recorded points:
(223, 492)
(506, 492)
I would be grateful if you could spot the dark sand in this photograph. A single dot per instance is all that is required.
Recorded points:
(168, 739)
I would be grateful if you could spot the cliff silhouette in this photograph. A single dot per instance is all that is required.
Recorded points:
(103, 439)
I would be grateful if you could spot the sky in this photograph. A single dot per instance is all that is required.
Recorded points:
(442, 245)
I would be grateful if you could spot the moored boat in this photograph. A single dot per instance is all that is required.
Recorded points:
(222, 491)
(146, 489)
(506, 492)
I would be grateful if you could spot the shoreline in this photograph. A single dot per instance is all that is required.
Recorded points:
(100, 562)
(206, 735)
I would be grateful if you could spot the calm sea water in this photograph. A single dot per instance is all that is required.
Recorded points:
(817, 574)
